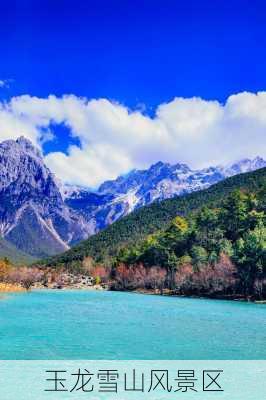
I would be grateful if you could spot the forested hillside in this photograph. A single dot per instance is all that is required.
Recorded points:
(216, 251)
(133, 229)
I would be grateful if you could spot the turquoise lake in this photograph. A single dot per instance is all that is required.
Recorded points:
(112, 325)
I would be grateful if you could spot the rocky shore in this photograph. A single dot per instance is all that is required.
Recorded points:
(68, 280)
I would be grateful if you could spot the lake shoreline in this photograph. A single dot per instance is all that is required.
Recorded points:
(168, 293)
(152, 292)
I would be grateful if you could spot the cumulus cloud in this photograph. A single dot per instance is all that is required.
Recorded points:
(114, 139)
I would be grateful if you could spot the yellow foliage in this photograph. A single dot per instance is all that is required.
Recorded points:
(180, 223)
(5, 268)
(10, 287)
(97, 280)
(152, 239)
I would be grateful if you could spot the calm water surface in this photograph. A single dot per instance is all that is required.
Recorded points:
(110, 325)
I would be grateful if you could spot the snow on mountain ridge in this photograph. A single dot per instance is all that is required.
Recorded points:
(41, 216)
(161, 181)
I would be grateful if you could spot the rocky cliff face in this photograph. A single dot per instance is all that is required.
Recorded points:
(40, 218)
(33, 215)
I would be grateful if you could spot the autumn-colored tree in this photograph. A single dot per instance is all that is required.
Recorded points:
(100, 273)
(123, 277)
(26, 277)
(224, 275)
(183, 277)
(217, 278)
(5, 269)
(130, 277)
(155, 278)
(88, 264)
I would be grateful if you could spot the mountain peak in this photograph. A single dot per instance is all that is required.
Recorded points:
(245, 165)
(33, 216)
(28, 146)
(158, 165)
(23, 141)
(20, 145)
(259, 161)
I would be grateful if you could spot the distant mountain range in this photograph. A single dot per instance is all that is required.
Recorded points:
(117, 198)
(39, 217)
(138, 225)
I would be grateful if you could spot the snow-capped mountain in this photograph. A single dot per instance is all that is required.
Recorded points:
(33, 215)
(121, 196)
(245, 165)
(40, 216)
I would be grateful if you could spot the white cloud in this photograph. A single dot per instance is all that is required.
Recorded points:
(115, 139)
(5, 83)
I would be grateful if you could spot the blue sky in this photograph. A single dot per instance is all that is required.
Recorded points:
(140, 54)
(146, 51)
